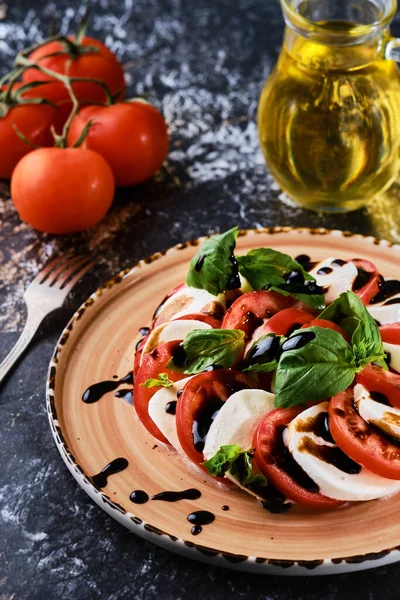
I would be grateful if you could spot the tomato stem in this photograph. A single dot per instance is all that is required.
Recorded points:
(61, 140)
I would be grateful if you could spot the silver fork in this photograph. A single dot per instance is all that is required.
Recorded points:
(45, 294)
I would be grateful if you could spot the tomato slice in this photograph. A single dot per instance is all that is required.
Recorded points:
(390, 333)
(367, 280)
(249, 310)
(376, 379)
(279, 467)
(153, 364)
(325, 324)
(359, 440)
(199, 404)
(285, 322)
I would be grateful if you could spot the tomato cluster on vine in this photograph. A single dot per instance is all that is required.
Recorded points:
(70, 136)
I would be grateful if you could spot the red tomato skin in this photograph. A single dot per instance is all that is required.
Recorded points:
(221, 383)
(267, 446)
(153, 364)
(102, 65)
(249, 310)
(370, 289)
(325, 324)
(376, 379)
(283, 321)
(34, 122)
(62, 191)
(131, 136)
(390, 333)
(359, 441)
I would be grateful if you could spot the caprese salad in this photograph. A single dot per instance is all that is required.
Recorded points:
(279, 374)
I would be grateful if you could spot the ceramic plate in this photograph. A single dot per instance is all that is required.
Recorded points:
(98, 344)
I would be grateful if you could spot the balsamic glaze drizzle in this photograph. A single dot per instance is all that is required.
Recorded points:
(379, 397)
(98, 390)
(115, 466)
(190, 494)
(126, 394)
(298, 341)
(305, 262)
(387, 290)
(200, 518)
(139, 497)
(170, 407)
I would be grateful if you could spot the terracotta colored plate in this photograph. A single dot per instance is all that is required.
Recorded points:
(99, 343)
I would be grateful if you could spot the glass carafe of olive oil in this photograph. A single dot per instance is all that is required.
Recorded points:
(329, 115)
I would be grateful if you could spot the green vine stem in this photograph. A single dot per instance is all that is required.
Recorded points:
(24, 62)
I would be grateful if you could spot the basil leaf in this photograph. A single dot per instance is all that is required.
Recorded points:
(352, 315)
(162, 381)
(262, 367)
(210, 347)
(238, 462)
(214, 267)
(267, 267)
(262, 356)
(321, 368)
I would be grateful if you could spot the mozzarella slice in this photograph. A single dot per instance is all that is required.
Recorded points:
(394, 351)
(171, 331)
(189, 300)
(332, 481)
(386, 418)
(237, 420)
(236, 423)
(166, 422)
(339, 279)
(385, 314)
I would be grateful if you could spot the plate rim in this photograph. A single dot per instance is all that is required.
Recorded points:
(155, 535)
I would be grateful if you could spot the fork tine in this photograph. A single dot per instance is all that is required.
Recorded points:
(70, 277)
(43, 273)
(57, 276)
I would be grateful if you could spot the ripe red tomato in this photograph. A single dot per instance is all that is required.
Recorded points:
(390, 333)
(102, 65)
(199, 403)
(376, 379)
(359, 441)
(249, 310)
(33, 121)
(60, 190)
(131, 136)
(325, 324)
(277, 464)
(286, 321)
(153, 364)
(369, 289)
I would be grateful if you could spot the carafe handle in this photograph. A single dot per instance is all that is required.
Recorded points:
(392, 49)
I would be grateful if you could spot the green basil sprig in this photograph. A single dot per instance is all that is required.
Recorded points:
(350, 313)
(162, 381)
(214, 267)
(327, 363)
(321, 368)
(204, 348)
(237, 461)
(267, 267)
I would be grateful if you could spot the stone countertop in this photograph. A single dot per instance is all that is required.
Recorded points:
(203, 64)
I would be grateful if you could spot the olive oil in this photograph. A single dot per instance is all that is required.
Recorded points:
(329, 119)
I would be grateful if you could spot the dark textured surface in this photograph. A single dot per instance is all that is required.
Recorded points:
(203, 63)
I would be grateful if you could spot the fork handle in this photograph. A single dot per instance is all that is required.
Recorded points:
(32, 325)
